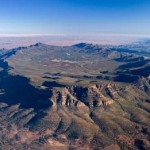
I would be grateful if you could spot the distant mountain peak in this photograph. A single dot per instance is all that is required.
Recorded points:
(83, 45)
(37, 44)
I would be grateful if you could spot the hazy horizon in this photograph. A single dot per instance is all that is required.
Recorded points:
(14, 41)
(67, 22)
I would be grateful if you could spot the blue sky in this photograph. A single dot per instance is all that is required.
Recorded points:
(81, 17)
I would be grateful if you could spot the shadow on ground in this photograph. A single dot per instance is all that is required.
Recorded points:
(17, 89)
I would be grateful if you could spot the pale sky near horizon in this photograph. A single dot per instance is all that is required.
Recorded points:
(75, 17)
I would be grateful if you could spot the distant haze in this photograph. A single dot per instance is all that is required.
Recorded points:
(63, 40)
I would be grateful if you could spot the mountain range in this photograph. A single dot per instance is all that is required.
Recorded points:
(79, 97)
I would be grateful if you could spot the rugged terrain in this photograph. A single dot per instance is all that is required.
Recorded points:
(80, 97)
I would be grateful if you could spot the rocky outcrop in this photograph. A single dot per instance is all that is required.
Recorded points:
(84, 97)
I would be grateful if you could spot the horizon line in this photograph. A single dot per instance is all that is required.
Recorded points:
(76, 35)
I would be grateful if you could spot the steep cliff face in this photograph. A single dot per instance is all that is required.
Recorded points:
(85, 97)
(100, 95)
